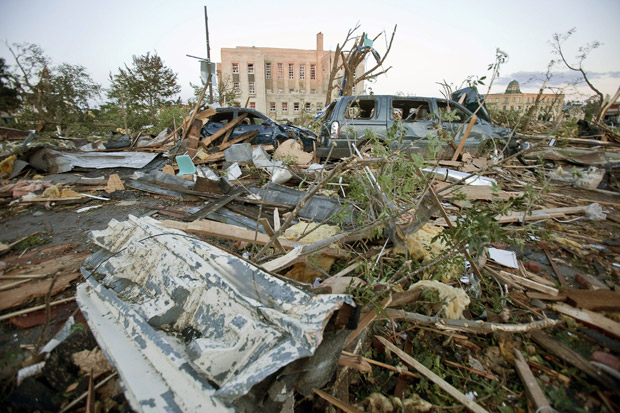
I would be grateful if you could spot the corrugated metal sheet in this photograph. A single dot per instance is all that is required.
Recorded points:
(185, 313)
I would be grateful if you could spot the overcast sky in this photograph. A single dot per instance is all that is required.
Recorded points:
(435, 40)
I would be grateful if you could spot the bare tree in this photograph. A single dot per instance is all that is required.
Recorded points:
(558, 40)
(349, 61)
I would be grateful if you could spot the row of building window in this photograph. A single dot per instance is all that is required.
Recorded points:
(280, 70)
(296, 106)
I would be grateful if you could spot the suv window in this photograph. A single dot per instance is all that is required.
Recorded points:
(360, 109)
(409, 110)
(222, 117)
(452, 112)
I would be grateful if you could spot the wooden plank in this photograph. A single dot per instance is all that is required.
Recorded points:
(444, 385)
(595, 300)
(33, 309)
(530, 283)
(193, 138)
(569, 355)
(588, 317)
(208, 140)
(205, 114)
(532, 389)
(214, 206)
(228, 231)
(265, 223)
(464, 138)
(246, 136)
(25, 292)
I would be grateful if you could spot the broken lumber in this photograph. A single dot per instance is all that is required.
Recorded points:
(227, 231)
(595, 300)
(444, 385)
(458, 150)
(570, 356)
(208, 140)
(36, 308)
(531, 284)
(588, 317)
(532, 389)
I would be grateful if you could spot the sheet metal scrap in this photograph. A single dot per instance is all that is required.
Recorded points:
(175, 314)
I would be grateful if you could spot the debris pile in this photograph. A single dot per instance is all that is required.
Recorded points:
(205, 269)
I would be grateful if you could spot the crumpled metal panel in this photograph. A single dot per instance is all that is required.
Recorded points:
(59, 162)
(245, 323)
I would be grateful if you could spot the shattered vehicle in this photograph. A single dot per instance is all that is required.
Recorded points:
(269, 131)
(350, 120)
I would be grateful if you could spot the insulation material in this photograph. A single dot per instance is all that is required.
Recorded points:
(313, 235)
(291, 151)
(301, 271)
(456, 299)
(193, 316)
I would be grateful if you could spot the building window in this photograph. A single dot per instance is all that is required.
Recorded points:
(312, 72)
(302, 72)
(252, 88)
(280, 71)
(496, 100)
(251, 68)
(296, 107)
(291, 91)
(272, 106)
(308, 107)
(519, 99)
(268, 70)
(506, 101)
(236, 87)
(291, 71)
(252, 105)
(284, 106)
(313, 91)
(280, 91)
(235, 67)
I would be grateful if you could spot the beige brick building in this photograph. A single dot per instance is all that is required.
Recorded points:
(282, 83)
(549, 107)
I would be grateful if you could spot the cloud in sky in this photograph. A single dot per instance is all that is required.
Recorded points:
(530, 79)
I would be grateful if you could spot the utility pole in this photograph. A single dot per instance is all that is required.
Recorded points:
(210, 77)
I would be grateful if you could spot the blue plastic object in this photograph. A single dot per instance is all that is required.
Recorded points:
(186, 166)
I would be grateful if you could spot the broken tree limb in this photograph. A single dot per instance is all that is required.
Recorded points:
(444, 385)
(464, 138)
(469, 326)
(532, 388)
(301, 204)
(588, 317)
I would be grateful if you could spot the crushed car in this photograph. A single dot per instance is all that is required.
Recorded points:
(350, 120)
(269, 131)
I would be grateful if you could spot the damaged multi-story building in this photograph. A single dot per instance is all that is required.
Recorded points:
(283, 83)
(549, 106)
